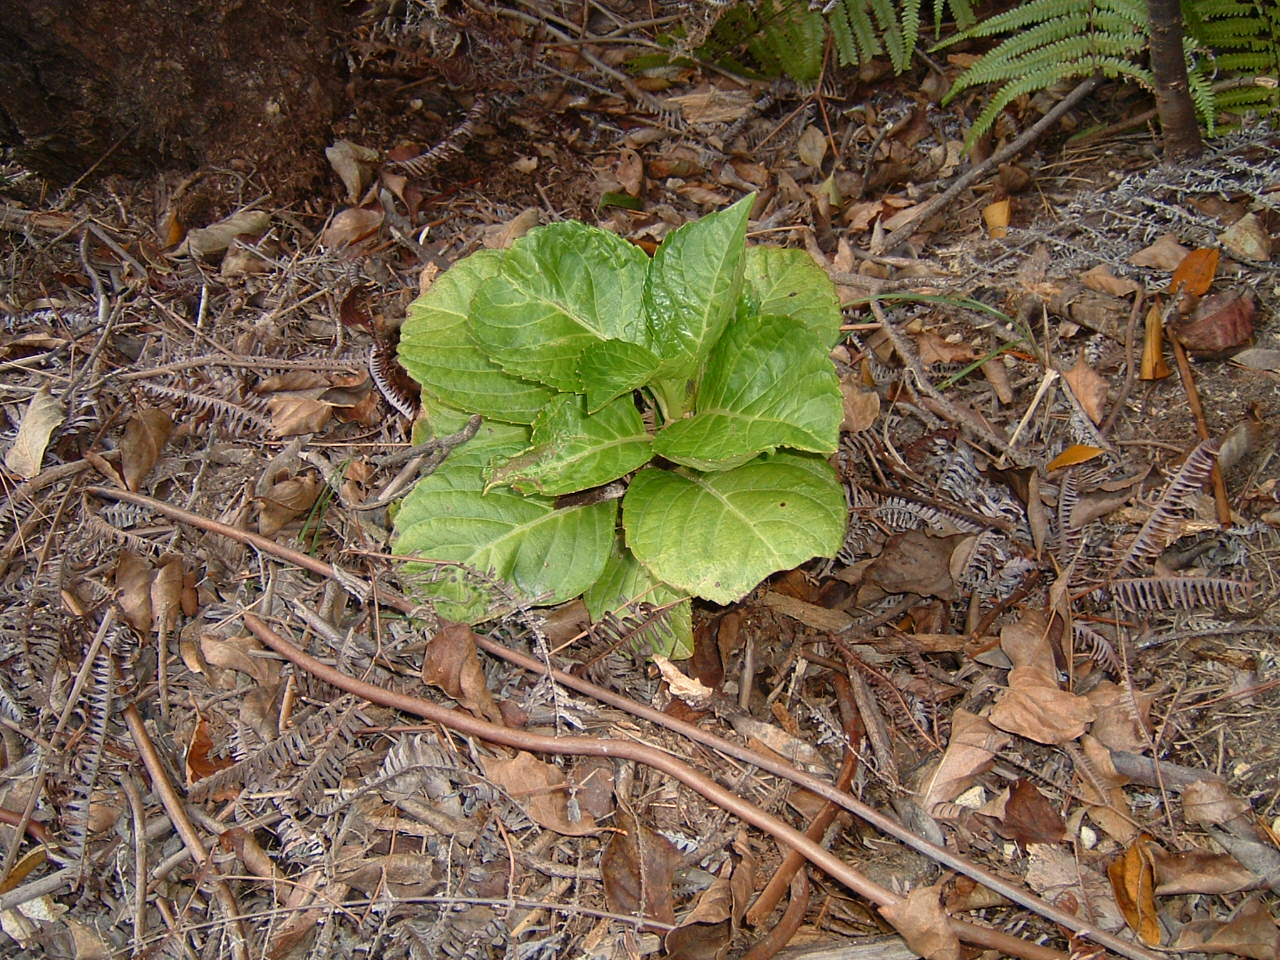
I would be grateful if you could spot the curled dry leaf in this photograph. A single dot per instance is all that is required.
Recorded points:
(452, 664)
(1101, 278)
(923, 923)
(1247, 239)
(166, 595)
(1153, 366)
(1165, 254)
(705, 933)
(542, 792)
(1200, 871)
(352, 227)
(1219, 325)
(215, 238)
(1132, 877)
(144, 437)
(43, 415)
(284, 502)
(354, 166)
(970, 752)
(1101, 787)
(499, 236)
(638, 869)
(995, 216)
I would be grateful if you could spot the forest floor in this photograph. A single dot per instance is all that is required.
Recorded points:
(1042, 671)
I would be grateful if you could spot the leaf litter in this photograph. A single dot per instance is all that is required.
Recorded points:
(1063, 670)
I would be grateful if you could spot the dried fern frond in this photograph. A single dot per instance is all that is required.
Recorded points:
(1069, 537)
(1145, 594)
(424, 164)
(1096, 647)
(251, 416)
(1163, 526)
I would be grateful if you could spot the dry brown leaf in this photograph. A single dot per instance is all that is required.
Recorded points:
(452, 664)
(1210, 803)
(915, 562)
(499, 236)
(133, 590)
(1076, 453)
(1220, 324)
(630, 172)
(166, 595)
(812, 146)
(1153, 365)
(713, 105)
(1033, 706)
(638, 869)
(199, 762)
(1251, 932)
(1165, 254)
(284, 502)
(352, 226)
(144, 437)
(923, 923)
(1122, 722)
(970, 752)
(293, 414)
(1101, 278)
(43, 415)
(86, 942)
(1200, 871)
(1026, 641)
(1102, 789)
(861, 407)
(542, 792)
(1061, 879)
(1194, 275)
(934, 349)
(215, 238)
(1247, 239)
(354, 166)
(1132, 877)
(705, 932)
(676, 161)
(1089, 388)
(998, 376)
(1029, 817)
(227, 654)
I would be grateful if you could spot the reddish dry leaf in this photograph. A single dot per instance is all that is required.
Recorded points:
(1209, 803)
(144, 437)
(1220, 324)
(1029, 817)
(133, 589)
(284, 502)
(199, 762)
(451, 663)
(1251, 932)
(638, 869)
(996, 218)
(971, 752)
(1132, 877)
(541, 790)
(923, 923)
(1089, 388)
(1200, 871)
(1194, 275)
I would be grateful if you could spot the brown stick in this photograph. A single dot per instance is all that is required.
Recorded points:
(774, 765)
(1221, 505)
(767, 946)
(637, 753)
(182, 824)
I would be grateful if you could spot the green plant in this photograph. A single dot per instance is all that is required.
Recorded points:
(1235, 38)
(704, 372)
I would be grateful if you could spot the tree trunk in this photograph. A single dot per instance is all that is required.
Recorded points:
(1177, 113)
(131, 85)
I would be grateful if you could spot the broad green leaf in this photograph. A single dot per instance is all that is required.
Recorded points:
(438, 351)
(561, 288)
(717, 535)
(769, 383)
(788, 283)
(692, 287)
(626, 589)
(530, 551)
(610, 368)
(573, 450)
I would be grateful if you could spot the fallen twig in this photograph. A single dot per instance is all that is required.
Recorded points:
(870, 815)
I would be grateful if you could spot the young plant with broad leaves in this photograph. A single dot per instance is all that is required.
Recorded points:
(703, 375)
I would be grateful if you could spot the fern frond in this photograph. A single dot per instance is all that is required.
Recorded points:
(1148, 594)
